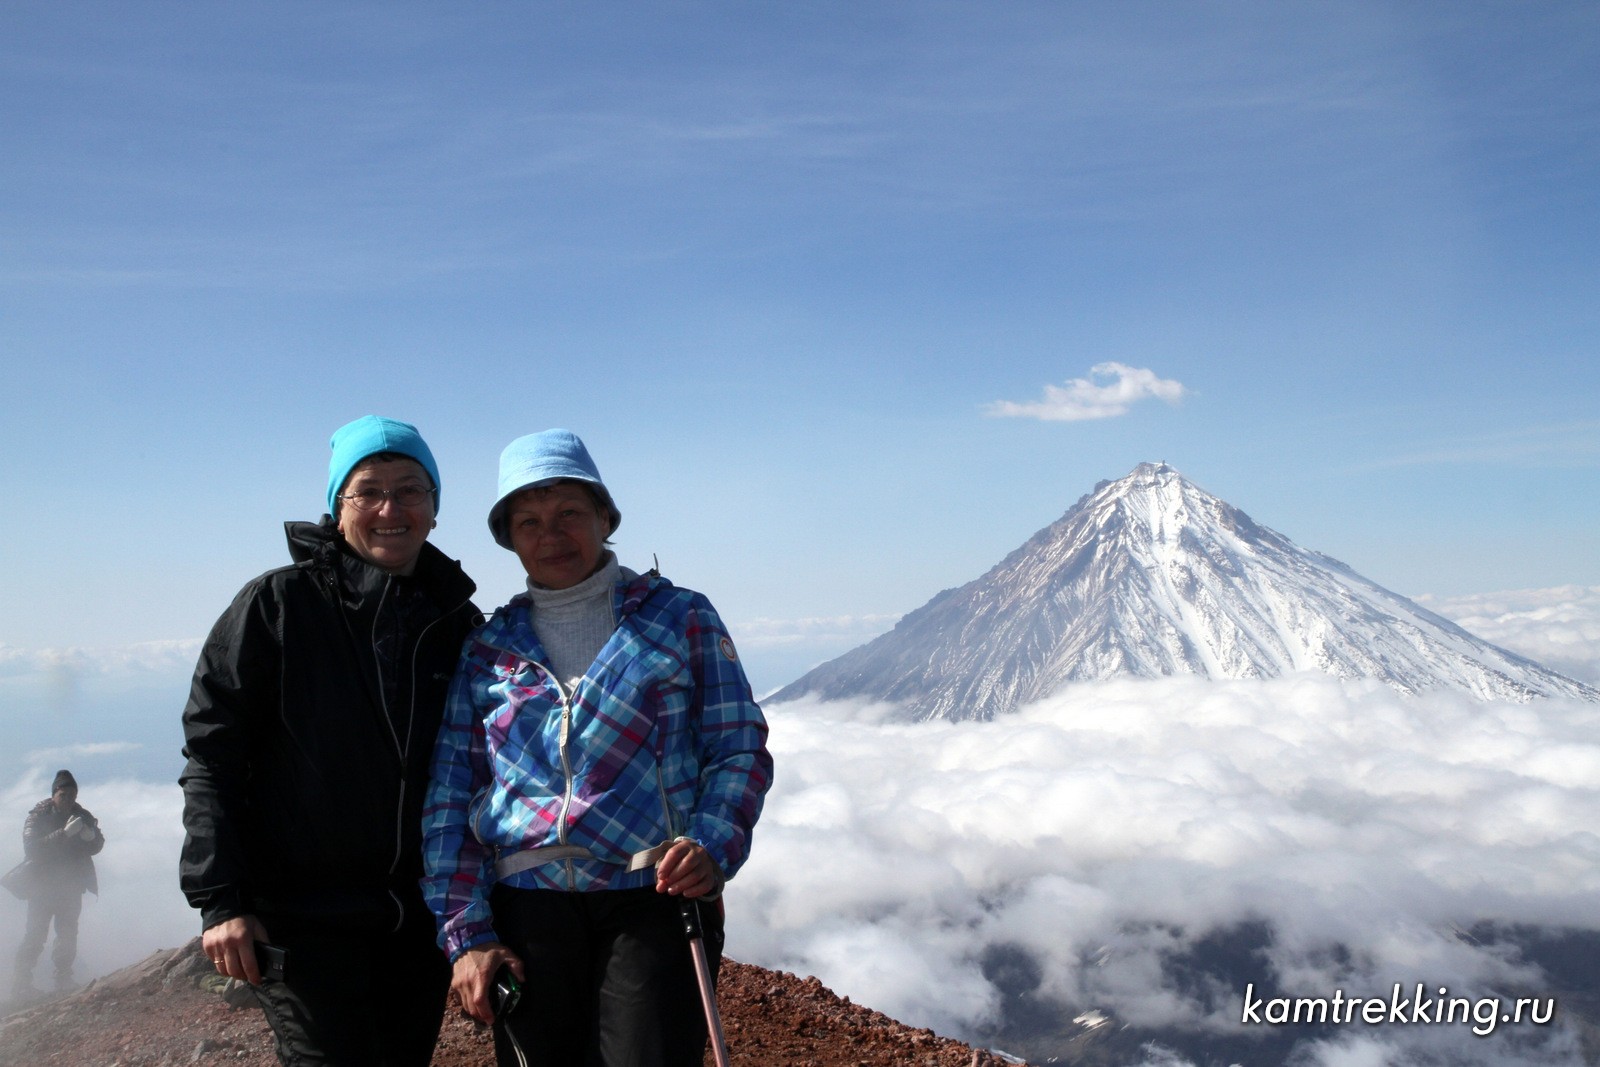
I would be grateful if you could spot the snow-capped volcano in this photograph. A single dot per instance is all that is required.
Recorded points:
(1151, 576)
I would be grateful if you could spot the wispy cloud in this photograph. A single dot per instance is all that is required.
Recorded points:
(1109, 391)
(142, 657)
(1564, 444)
(764, 632)
(41, 757)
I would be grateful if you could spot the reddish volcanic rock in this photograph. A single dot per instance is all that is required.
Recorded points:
(156, 1013)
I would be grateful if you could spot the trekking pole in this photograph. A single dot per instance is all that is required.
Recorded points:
(690, 910)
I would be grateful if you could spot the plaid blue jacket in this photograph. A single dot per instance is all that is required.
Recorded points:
(661, 738)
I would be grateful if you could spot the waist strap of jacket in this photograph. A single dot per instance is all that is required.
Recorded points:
(511, 863)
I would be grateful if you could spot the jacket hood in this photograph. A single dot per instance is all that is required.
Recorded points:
(320, 544)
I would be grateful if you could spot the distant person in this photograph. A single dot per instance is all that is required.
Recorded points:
(602, 760)
(309, 728)
(58, 838)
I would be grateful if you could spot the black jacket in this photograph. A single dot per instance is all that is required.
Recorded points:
(61, 862)
(310, 724)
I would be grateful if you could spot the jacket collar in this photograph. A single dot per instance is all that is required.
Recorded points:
(511, 626)
(321, 545)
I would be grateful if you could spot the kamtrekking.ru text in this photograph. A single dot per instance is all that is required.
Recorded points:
(1401, 1008)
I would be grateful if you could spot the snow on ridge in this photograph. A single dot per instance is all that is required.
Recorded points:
(1149, 576)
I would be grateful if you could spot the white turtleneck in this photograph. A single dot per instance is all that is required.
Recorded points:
(573, 624)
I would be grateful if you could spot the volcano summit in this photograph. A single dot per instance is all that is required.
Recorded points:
(1150, 576)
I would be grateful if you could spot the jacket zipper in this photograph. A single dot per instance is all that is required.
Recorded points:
(566, 772)
(399, 748)
(668, 819)
(566, 760)
(403, 750)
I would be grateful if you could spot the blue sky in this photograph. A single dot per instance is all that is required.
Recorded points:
(778, 264)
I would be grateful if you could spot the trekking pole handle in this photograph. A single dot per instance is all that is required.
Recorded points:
(690, 911)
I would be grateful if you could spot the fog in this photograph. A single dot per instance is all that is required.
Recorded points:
(113, 717)
(139, 908)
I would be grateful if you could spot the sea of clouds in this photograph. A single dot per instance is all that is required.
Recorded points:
(1115, 825)
(1099, 834)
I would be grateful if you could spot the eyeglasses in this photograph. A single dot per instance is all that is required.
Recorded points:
(371, 498)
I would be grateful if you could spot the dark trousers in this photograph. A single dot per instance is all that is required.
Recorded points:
(352, 997)
(63, 908)
(610, 979)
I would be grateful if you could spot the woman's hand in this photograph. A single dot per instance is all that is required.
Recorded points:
(231, 947)
(687, 870)
(474, 972)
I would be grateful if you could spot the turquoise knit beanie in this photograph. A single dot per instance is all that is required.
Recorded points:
(367, 436)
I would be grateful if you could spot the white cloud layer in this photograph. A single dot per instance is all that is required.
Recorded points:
(1115, 824)
(1558, 627)
(1109, 391)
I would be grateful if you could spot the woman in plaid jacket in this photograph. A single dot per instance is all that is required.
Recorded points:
(601, 759)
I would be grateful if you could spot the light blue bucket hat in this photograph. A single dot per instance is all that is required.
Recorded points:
(539, 459)
(368, 436)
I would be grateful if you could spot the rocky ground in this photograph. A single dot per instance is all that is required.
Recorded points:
(165, 1011)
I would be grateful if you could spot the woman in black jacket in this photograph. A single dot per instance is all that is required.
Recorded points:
(309, 728)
